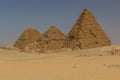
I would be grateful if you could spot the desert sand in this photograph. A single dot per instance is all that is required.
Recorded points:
(88, 64)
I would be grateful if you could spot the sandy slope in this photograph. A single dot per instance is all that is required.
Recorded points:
(67, 65)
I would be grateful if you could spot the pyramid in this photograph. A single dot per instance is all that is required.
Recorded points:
(86, 33)
(53, 38)
(29, 36)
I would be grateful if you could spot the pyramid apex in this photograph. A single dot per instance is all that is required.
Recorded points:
(30, 29)
(53, 27)
(86, 11)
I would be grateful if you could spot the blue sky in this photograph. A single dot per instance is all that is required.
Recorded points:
(16, 15)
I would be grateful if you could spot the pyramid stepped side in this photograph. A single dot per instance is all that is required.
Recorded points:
(29, 36)
(34, 47)
(53, 38)
(86, 33)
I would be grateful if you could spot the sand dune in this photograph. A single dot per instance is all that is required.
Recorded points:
(89, 64)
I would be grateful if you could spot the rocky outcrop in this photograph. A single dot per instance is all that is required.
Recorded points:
(86, 33)
(34, 47)
(30, 35)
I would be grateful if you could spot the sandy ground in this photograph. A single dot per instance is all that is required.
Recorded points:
(69, 65)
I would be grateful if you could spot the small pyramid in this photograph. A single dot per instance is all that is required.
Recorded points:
(29, 36)
(86, 33)
(53, 38)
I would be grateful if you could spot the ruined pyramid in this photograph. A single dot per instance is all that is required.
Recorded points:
(30, 35)
(53, 38)
(86, 33)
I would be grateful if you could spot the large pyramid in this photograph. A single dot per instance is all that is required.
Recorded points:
(86, 33)
(53, 38)
(29, 36)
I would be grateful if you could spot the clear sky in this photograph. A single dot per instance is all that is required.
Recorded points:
(16, 15)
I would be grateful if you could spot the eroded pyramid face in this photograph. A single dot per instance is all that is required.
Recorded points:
(53, 38)
(86, 33)
(29, 36)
